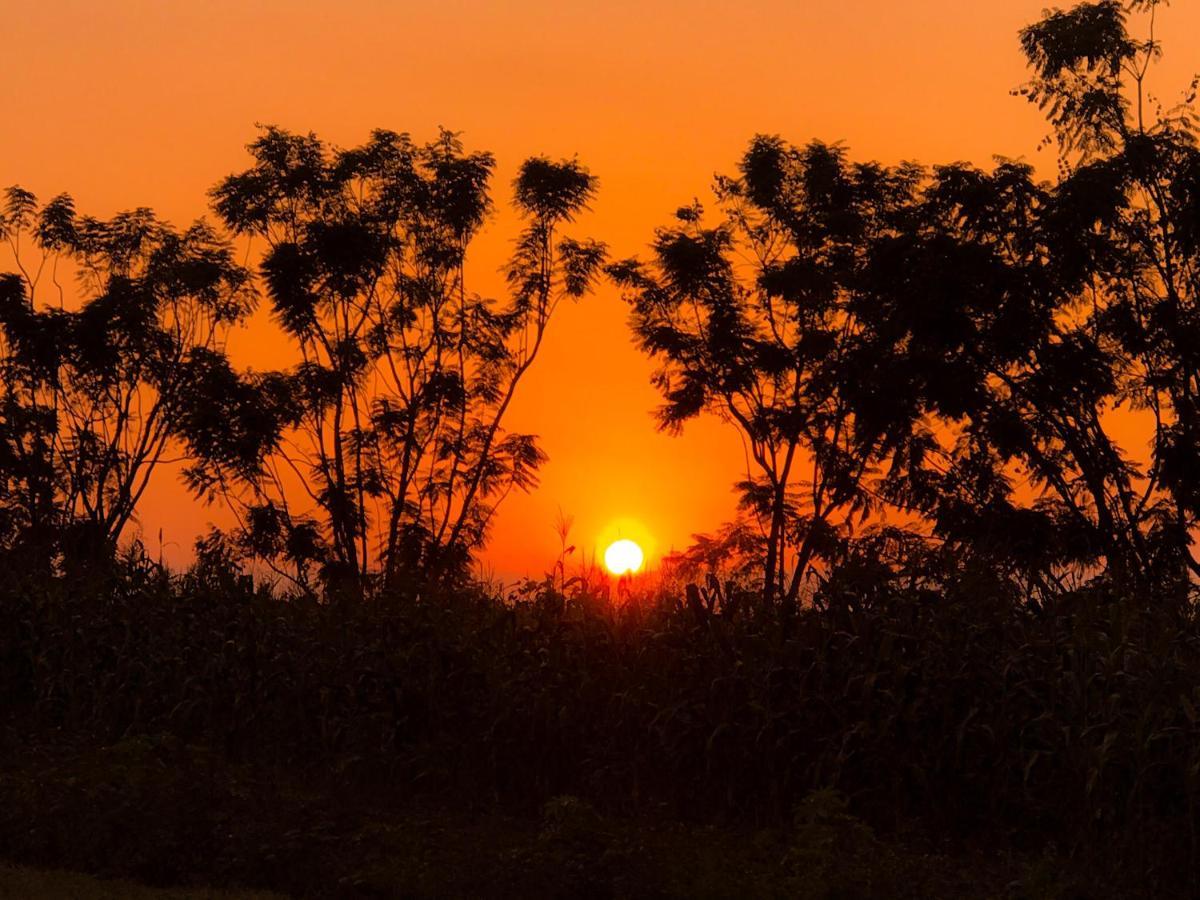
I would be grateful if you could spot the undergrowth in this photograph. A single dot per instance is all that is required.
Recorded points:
(949, 719)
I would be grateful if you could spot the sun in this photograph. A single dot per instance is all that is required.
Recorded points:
(623, 557)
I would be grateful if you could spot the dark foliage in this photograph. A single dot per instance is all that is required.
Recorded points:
(967, 711)
(94, 397)
(384, 450)
(966, 350)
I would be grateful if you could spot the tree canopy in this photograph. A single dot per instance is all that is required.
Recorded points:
(967, 348)
(95, 396)
(386, 449)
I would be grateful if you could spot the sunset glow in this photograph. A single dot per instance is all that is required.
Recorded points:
(623, 557)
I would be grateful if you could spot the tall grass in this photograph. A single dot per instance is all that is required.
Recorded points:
(962, 712)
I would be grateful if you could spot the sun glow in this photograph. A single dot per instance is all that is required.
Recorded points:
(623, 557)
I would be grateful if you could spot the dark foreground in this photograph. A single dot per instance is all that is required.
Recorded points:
(194, 730)
(166, 814)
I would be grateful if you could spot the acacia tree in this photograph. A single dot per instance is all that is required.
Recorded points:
(392, 454)
(94, 395)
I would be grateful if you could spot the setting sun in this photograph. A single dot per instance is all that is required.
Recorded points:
(623, 557)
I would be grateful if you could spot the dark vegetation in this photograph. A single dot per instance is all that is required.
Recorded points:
(958, 720)
(948, 648)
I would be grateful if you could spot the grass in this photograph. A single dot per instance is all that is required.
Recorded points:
(894, 743)
(24, 883)
(313, 835)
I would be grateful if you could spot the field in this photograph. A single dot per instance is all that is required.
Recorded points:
(194, 729)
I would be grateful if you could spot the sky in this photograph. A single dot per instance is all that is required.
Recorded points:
(127, 103)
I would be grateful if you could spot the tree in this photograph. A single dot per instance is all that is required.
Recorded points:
(1131, 179)
(391, 455)
(955, 344)
(94, 396)
(1018, 317)
(753, 318)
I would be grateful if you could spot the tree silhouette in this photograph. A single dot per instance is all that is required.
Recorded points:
(754, 319)
(1019, 317)
(94, 396)
(955, 343)
(1126, 213)
(391, 455)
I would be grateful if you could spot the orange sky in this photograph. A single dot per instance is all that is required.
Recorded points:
(125, 103)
